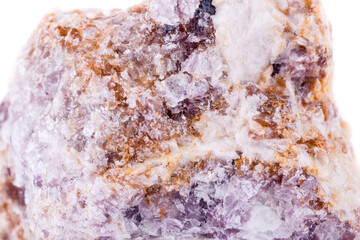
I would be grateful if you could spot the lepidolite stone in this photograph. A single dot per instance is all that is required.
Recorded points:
(178, 119)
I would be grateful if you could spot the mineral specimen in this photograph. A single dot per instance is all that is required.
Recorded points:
(178, 119)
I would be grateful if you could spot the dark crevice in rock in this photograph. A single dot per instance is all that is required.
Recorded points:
(167, 29)
(206, 7)
(276, 69)
(15, 193)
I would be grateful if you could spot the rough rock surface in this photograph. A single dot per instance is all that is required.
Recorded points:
(178, 119)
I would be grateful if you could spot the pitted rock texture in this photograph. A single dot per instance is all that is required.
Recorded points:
(178, 119)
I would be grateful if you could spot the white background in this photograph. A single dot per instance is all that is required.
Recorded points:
(18, 18)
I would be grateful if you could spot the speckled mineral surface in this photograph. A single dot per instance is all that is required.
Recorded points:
(178, 119)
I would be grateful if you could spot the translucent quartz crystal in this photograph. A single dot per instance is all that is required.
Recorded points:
(178, 119)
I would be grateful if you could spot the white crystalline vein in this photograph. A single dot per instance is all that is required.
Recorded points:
(249, 36)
